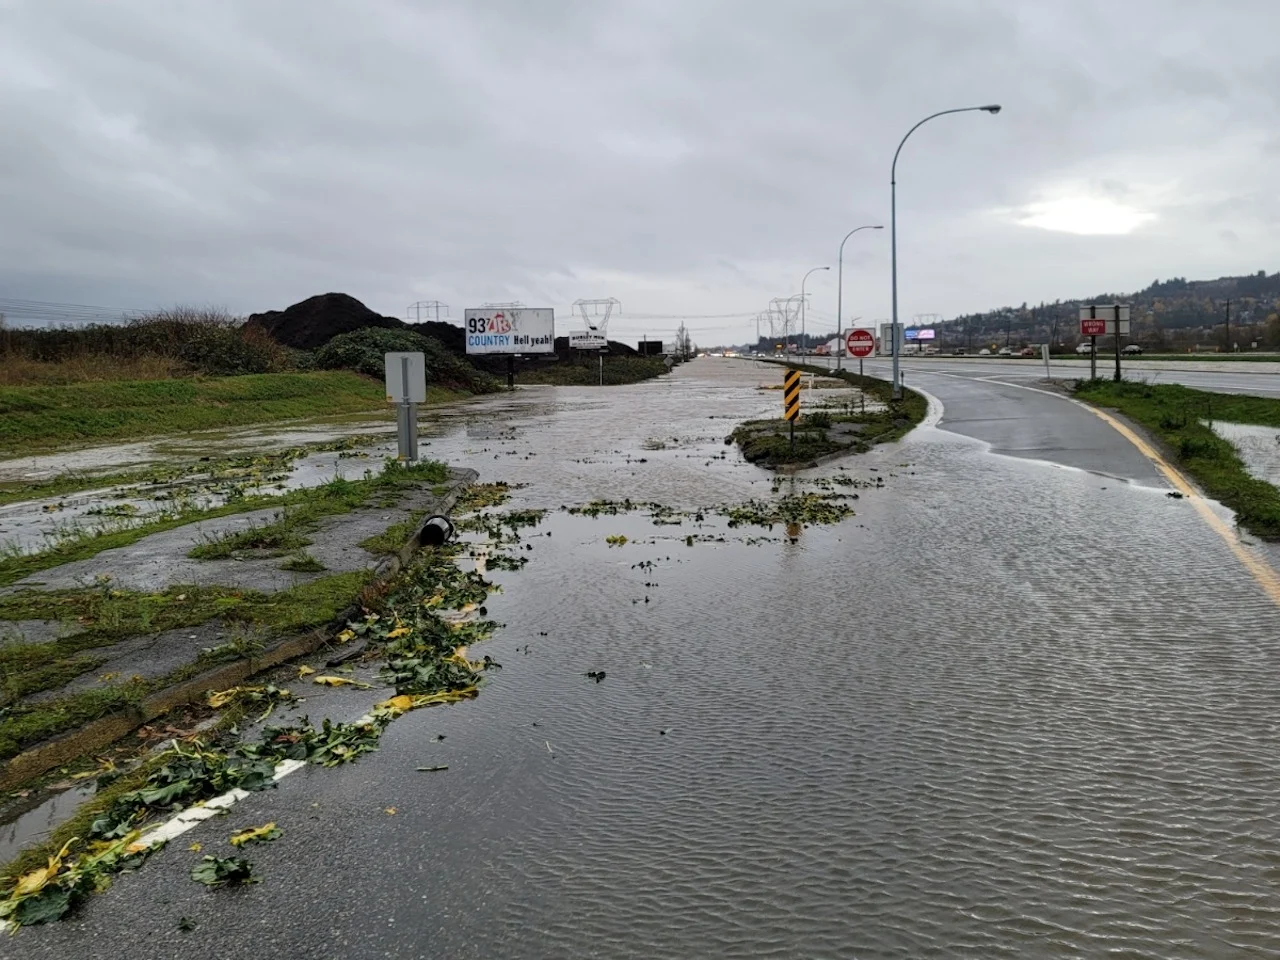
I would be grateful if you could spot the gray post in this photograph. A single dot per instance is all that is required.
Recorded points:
(406, 418)
(602, 368)
(992, 108)
(840, 294)
(1116, 310)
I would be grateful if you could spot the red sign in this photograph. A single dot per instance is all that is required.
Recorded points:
(860, 343)
(1093, 328)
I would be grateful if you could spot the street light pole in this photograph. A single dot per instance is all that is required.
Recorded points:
(992, 108)
(840, 291)
(806, 277)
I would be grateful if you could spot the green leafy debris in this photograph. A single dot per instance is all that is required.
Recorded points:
(223, 871)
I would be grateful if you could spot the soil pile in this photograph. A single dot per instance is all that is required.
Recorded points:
(317, 320)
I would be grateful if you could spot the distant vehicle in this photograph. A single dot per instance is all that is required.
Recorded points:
(1132, 348)
(958, 352)
(1084, 349)
(1006, 351)
(1026, 352)
(984, 352)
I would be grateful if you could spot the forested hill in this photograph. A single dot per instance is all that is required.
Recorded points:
(1172, 311)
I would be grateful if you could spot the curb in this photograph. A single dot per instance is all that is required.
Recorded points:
(43, 757)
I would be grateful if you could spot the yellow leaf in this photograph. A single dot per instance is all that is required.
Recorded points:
(401, 631)
(222, 697)
(267, 831)
(332, 681)
(195, 847)
(467, 608)
(345, 635)
(396, 705)
(35, 881)
(391, 811)
(305, 671)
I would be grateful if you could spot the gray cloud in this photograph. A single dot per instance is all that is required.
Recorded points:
(687, 157)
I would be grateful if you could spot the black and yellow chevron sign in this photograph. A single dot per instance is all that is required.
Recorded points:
(791, 396)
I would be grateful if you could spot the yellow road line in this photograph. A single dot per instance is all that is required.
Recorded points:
(1262, 571)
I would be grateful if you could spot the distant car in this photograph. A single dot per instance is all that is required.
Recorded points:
(1006, 351)
(958, 352)
(1132, 348)
(1026, 352)
(1084, 349)
(984, 352)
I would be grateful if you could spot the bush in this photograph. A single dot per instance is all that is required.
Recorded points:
(206, 341)
(821, 420)
(363, 351)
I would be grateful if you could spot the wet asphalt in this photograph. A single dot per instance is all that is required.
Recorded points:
(1020, 705)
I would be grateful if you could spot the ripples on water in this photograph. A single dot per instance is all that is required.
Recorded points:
(1002, 712)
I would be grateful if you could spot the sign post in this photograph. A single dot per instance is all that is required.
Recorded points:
(1094, 325)
(406, 375)
(860, 343)
(791, 401)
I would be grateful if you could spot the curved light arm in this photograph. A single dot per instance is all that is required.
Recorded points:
(869, 226)
(893, 172)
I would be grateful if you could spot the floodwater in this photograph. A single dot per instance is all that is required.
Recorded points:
(1259, 447)
(1007, 710)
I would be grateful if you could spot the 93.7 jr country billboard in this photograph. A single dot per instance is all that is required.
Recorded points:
(510, 330)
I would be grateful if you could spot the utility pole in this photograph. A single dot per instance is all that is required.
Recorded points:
(1228, 324)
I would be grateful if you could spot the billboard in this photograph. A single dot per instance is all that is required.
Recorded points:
(586, 340)
(650, 348)
(920, 333)
(510, 330)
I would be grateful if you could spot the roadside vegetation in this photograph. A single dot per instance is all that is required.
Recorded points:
(587, 371)
(36, 419)
(300, 509)
(1178, 417)
(185, 369)
(831, 430)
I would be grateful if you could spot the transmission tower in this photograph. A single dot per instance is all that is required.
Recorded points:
(428, 307)
(784, 316)
(595, 314)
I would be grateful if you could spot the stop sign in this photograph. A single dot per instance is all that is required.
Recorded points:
(860, 343)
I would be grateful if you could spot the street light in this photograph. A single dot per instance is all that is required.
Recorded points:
(840, 290)
(806, 277)
(992, 108)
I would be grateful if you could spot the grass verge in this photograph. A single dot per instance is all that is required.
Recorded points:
(1176, 415)
(36, 419)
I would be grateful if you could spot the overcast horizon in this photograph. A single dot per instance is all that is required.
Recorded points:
(690, 159)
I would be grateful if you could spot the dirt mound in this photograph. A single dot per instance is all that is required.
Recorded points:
(317, 320)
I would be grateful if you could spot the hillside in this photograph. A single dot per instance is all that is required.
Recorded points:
(1175, 314)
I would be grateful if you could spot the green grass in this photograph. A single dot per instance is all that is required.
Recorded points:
(275, 538)
(617, 371)
(35, 419)
(302, 562)
(1174, 414)
(311, 503)
(107, 615)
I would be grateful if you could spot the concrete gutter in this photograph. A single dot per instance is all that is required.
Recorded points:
(98, 734)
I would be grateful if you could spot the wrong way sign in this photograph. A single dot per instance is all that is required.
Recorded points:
(860, 343)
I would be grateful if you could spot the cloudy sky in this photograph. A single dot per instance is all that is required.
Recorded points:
(691, 158)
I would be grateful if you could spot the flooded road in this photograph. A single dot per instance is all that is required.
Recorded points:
(1021, 704)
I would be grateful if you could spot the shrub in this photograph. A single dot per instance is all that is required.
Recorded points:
(363, 351)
